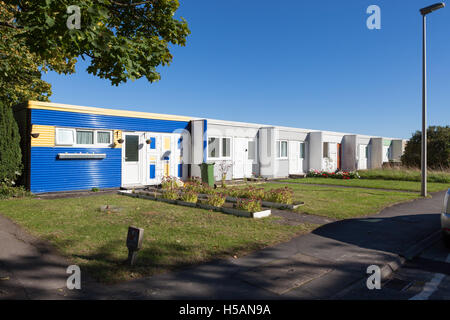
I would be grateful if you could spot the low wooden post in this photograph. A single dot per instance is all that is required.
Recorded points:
(134, 243)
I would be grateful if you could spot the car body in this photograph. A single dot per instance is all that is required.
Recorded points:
(445, 219)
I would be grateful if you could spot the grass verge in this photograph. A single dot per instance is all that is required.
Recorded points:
(376, 184)
(404, 175)
(342, 203)
(174, 236)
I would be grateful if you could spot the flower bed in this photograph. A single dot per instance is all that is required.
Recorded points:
(209, 202)
(281, 198)
(345, 175)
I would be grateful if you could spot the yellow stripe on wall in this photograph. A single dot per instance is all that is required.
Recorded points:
(117, 135)
(166, 143)
(46, 136)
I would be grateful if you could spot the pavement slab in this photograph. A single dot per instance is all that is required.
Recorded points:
(280, 276)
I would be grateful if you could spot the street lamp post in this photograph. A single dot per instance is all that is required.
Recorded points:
(423, 162)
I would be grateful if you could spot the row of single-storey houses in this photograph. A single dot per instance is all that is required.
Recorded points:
(69, 147)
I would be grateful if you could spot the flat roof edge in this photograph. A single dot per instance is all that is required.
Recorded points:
(102, 111)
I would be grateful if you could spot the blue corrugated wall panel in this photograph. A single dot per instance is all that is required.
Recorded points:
(48, 173)
(95, 121)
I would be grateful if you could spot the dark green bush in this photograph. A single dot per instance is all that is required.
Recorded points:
(10, 153)
(438, 145)
(8, 191)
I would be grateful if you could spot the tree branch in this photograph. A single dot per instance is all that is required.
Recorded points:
(131, 4)
(9, 25)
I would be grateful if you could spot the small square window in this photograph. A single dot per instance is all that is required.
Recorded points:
(65, 136)
(103, 137)
(85, 137)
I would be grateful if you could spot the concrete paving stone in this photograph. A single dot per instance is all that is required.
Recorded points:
(280, 276)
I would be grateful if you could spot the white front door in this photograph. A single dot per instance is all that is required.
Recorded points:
(294, 157)
(132, 159)
(362, 159)
(239, 157)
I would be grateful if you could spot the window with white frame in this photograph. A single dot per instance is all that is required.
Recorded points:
(219, 147)
(104, 137)
(251, 150)
(83, 137)
(226, 147)
(282, 149)
(326, 149)
(213, 147)
(302, 150)
(65, 137)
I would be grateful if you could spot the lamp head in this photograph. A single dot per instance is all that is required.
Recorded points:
(433, 7)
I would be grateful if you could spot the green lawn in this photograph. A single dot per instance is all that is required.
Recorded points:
(405, 174)
(342, 203)
(377, 184)
(174, 236)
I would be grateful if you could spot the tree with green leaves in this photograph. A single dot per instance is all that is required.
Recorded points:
(121, 39)
(438, 147)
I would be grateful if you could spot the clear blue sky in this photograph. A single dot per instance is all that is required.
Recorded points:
(308, 64)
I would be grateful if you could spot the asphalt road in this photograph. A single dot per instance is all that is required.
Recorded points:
(426, 277)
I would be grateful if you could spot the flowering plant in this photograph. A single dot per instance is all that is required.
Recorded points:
(282, 195)
(189, 196)
(249, 205)
(216, 199)
(171, 194)
(171, 183)
(334, 175)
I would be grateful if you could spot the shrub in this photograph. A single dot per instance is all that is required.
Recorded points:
(95, 189)
(168, 183)
(248, 193)
(189, 196)
(216, 200)
(193, 184)
(10, 153)
(249, 205)
(171, 194)
(283, 195)
(8, 191)
(234, 192)
(252, 192)
(333, 175)
(206, 189)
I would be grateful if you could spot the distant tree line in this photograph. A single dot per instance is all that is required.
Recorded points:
(438, 147)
